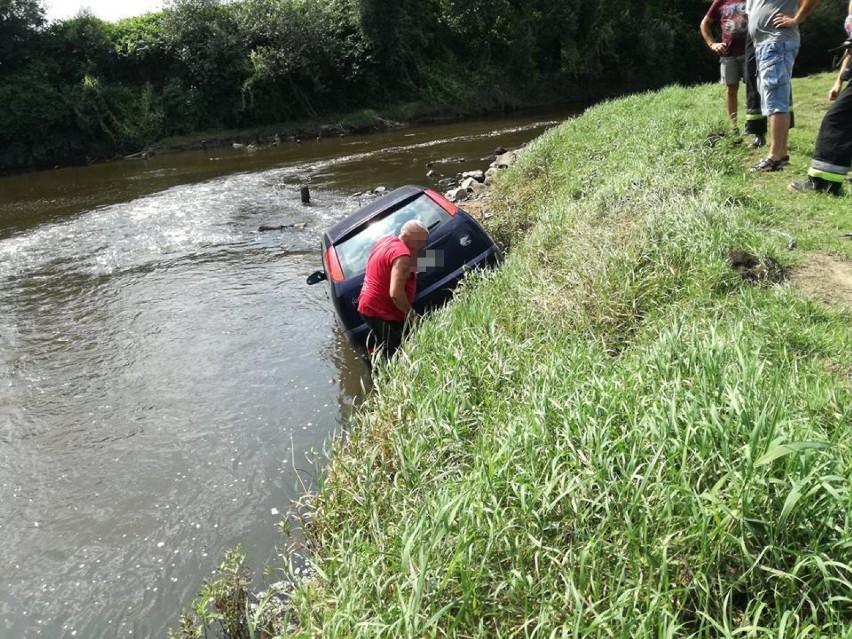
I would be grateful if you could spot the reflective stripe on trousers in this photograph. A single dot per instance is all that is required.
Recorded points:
(833, 151)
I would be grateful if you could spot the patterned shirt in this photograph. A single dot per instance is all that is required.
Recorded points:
(731, 15)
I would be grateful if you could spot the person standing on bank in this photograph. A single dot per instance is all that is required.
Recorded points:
(390, 284)
(755, 124)
(730, 14)
(774, 27)
(833, 152)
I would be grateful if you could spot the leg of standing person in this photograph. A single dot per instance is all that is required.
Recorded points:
(394, 338)
(792, 109)
(779, 135)
(385, 337)
(731, 103)
(833, 153)
(775, 71)
(732, 69)
(755, 120)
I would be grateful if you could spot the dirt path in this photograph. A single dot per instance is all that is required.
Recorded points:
(825, 278)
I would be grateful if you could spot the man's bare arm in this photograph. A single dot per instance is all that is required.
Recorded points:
(400, 271)
(834, 93)
(806, 7)
(707, 34)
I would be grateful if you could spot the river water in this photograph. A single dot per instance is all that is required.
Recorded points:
(167, 380)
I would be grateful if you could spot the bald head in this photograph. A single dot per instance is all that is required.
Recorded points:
(414, 235)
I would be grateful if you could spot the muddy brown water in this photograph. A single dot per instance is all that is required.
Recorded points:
(167, 381)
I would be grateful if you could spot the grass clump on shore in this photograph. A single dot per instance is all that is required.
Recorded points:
(616, 434)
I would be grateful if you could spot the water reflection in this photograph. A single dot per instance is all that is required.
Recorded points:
(354, 382)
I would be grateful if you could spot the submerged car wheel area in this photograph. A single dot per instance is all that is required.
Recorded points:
(457, 244)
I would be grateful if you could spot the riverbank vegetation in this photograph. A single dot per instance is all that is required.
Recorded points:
(628, 430)
(83, 90)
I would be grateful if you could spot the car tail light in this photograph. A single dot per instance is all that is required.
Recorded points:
(332, 265)
(443, 202)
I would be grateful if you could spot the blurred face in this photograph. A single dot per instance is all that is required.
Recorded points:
(420, 238)
(415, 239)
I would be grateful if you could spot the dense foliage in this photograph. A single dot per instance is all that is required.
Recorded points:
(86, 89)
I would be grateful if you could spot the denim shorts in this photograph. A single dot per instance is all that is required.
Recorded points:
(774, 71)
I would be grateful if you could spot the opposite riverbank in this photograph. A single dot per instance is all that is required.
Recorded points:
(360, 122)
(637, 427)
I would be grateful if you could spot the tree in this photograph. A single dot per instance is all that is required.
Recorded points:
(142, 50)
(381, 21)
(20, 23)
(202, 38)
(81, 46)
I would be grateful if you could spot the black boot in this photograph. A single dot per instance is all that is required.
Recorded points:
(817, 185)
(758, 141)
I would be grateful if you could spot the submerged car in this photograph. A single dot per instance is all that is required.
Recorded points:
(457, 244)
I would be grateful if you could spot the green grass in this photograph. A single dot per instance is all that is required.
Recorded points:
(614, 435)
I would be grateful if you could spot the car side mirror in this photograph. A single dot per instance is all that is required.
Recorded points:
(315, 277)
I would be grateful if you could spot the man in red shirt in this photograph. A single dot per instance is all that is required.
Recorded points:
(731, 50)
(390, 283)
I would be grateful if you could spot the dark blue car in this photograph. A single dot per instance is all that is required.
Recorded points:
(457, 243)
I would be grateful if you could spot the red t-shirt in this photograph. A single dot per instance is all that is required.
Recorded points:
(731, 14)
(375, 299)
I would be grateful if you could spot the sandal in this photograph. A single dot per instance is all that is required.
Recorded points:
(768, 165)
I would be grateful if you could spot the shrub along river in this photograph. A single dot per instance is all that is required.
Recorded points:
(167, 380)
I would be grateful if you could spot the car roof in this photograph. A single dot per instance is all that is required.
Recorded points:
(388, 201)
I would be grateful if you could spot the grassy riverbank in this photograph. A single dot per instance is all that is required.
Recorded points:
(617, 434)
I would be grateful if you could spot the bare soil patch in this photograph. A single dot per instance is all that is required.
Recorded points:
(479, 209)
(752, 269)
(825, 278)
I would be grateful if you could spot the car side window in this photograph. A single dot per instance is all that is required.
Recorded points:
(354, 251)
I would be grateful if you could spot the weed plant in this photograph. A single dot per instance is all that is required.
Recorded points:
(614, 435)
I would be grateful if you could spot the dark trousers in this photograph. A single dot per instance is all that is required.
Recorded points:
(833, 152)
(755, 120)
(384, 336)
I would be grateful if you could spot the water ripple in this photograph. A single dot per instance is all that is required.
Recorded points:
(159, 360)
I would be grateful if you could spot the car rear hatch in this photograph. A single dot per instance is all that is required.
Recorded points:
(456, 244)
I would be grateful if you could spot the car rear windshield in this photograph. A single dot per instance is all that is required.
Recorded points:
(354, 251)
